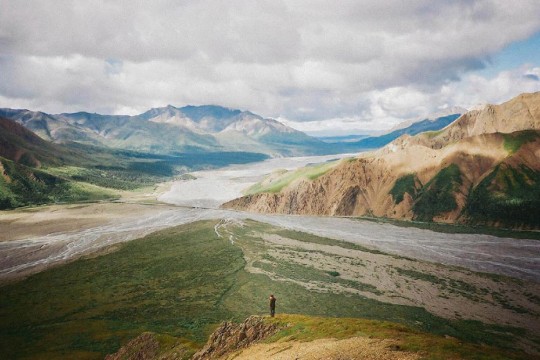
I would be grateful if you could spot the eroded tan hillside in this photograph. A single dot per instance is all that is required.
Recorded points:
(430, 176)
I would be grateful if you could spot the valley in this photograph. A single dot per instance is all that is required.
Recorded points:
(273, 180)
(181, 281)
(171, 249)
(36, 238)
(460, 285)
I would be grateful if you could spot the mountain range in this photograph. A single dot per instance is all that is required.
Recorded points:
(24, 147)
(199, 129)
(37, 171)
(124, 152)
(450, 110)
(172, 130)
(22, 153)
(483, 168)
(374, 142)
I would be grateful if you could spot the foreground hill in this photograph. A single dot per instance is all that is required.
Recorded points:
(314, 338)
(172, 130)
(180, 283)
(484, 169)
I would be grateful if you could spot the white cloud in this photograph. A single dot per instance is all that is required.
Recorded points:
(393, 105)
(369, 63)
(475, 89)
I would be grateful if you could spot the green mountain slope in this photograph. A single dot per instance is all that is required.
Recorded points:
(36, 171)
(508, 196)
(24, 147)
(21, 185)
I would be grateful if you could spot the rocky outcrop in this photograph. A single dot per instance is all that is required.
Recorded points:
(147, 346)
(518, 114)
(143, 347)
(354, 187)
(229, 337)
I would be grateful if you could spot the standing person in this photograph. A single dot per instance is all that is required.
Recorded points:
(272, 305)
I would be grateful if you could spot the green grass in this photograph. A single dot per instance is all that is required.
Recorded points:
(308, 274)
(128, 170)
(180, 282)
(151, 284)
(457, 228)
(405, 184)
(313, 239)
(438, 195)
(450, 285)
(432, 134)
(508, 196)
(309, 328)
(108, 178)
(28, 186)
(514, 141)
(310, 172)
(102, 168)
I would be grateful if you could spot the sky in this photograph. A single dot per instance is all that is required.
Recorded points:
(324, 67)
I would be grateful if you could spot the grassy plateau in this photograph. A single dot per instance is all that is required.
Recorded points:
(285, 178)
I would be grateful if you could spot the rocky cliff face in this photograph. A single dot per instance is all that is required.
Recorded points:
(230, 337)
(485, 158)
(227, 338)
(144, 346)
(518, 114)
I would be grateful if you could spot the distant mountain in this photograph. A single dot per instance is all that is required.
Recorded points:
(172, 130)
(451, 110)
(22, 153)
(520, 113)
(374, 142)
(342, 139)
(484, 168)
(42, 124)
(37, 171)
(203, 119)
(20, 145)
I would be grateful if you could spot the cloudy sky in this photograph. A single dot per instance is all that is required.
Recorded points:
(321, 66)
